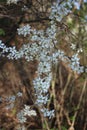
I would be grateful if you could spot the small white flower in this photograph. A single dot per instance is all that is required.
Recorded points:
(25, 30)
(73, 46)
(12, 1)
(47, 113)
(80, 50)
(28, 112)
(41, 99)
(20, 117)
(19, 94)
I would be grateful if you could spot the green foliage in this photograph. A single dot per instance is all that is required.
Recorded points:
(2, 32)
(72, 118)
(64, 128)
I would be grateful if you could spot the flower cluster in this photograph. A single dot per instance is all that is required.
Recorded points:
(12, 1)
(75, 64)
(58, 12)
(41, 47)
(25, 30)
(3, 47)
(42, 84)
(21, 116)
(48, 113)
(73, 46)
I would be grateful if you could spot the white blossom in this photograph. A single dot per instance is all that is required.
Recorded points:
(28, 111)
(12, 1)
(41, 99)
(73, 46)
(47, 113)
(44, 67)
(20, 116)
(42, 85)
(19, 94)
(58, 12)
(80, 50)
(75, 64)
(25, 30)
